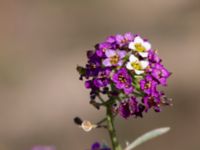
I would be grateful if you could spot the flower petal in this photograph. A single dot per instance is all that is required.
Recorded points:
(110, 53)
(119, 38)
(143, 54)
(132, 58)
(106, 62)
(128, 36)
(147, 45)
(120, 63)
(138, 39)
(129, 67)
(139, 72)
(121, 54)
(131, 45)
(128, 90)
(144, 64)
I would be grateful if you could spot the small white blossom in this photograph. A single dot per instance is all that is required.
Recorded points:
(136, 65)
(141, 46)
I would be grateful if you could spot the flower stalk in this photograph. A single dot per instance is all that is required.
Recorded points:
(111, 129)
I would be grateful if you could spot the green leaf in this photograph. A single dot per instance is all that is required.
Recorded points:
(147, 136)
(81, 70)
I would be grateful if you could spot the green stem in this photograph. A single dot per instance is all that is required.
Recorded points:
(102, 121)
(111, 129)
(101, 99)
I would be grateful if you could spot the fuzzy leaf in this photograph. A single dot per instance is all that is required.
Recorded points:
(147, 136)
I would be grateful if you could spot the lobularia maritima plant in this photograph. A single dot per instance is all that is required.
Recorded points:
(123, 74)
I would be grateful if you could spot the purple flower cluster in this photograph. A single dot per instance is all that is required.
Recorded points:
(123, 81)
(43, 148)
(128, 71)
(98, 146)
(130, 107)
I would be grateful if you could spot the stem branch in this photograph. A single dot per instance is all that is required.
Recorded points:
(111, 129)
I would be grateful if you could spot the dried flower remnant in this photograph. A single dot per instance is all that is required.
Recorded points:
(87, 125)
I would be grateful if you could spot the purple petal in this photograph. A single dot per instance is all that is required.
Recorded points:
(106, 62)
(120, 85)
(124, 110)
(99, 52)
(121, 54)
(153, 57)
(142, 84)
(98, 83)
(165, 72)
(107, 71)
(119, 38)
(163, 81)
(110, 53)
(128, 36)
(88, 84)
(104, 45)
(96, 146)
(111, 39)
(133, 105)
(120, 63)
(115, 78)
(128, 90)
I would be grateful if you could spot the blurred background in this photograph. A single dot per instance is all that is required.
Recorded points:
(41, 43)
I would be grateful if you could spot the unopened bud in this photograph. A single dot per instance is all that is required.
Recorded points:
(78, 121)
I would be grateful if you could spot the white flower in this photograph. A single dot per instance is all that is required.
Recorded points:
(136, 65)
(141, 46)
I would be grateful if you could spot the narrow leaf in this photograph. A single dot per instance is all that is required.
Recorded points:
(147, 136)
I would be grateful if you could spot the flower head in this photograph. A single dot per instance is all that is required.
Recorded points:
(152, 101)
(153, 57)
(127, 71)
(114, 57)
(123, 40)
(136, 65)
(128, 107)
(141, 46)
(148, 85)
(123, 81)
(102, 79)
(160, 73)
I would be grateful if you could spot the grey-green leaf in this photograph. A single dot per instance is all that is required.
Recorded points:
(147, 136)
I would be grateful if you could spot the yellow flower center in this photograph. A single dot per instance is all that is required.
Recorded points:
(114, 59)
(147, 85)
(122, 79)
(139, 47)
(136, 65)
